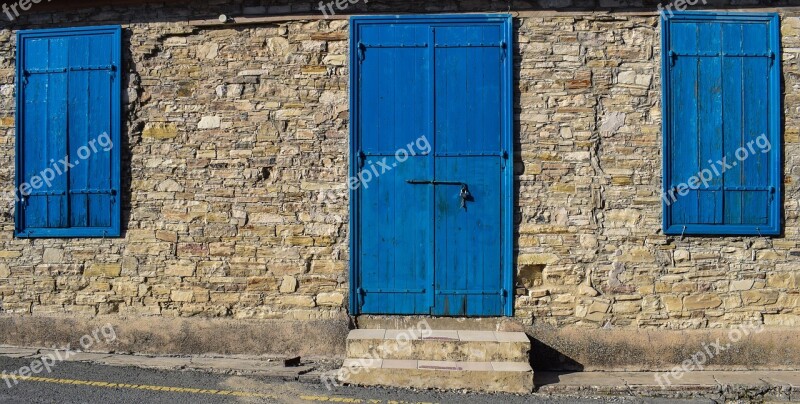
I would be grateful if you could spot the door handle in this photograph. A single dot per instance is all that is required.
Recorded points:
(431, 182)
(464, 195)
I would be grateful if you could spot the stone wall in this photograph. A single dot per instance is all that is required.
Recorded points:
(590, 241)
(235, 162)
(233, 137)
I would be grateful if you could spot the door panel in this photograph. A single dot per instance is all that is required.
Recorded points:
(468, 117)
(396, 246)
(396, 235)
(468, 256)
(394, 87)
(469, 73)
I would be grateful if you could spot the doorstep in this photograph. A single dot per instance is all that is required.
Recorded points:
(478, 360)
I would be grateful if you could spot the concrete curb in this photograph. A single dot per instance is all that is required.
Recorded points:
(241, 365)
(713, 385)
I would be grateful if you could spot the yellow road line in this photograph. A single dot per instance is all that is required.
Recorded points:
(188, 390)
(140, 387)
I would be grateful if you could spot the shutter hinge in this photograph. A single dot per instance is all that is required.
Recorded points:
(504, 296)
(504, 160)
(360, 297)
(113, 71)
(772, 192)
(362, 50)
(771, 58)
(362, 159)
(113, 196)
(25, 76)
(672, 57)
(503, 50)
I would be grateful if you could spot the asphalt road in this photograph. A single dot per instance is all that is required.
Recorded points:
(75, 382)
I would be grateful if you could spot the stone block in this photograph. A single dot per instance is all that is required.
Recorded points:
(103, 270)
(160, 131)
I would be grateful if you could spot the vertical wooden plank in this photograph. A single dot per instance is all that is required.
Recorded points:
(733, 117)
(709, 120)
(56, 134)
(755, 168)
(99, 162)
(36, 120)
(397, 69)
(79, 124)
(684, 120)
(369, 90)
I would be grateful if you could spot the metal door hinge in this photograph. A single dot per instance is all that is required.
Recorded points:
(360, 297)
(362, 159)
(362, 50)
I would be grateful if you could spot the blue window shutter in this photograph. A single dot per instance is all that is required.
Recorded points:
(721, 100)
(68, 107)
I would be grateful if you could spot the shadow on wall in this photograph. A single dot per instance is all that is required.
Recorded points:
(131, 93)
(544, 357)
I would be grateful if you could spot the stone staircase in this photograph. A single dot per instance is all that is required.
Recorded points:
(487, 361)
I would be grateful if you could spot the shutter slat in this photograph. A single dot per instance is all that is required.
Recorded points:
(34, 116)
(56, 140)
(685, 122)
(100, 167)
(79, 128)
(709, 120)
(755, 82)
(733, 116)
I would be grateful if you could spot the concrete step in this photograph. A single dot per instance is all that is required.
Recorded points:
(440, 323)
(506, 377)
(439, 345)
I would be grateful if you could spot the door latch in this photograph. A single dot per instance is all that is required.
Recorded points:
(465, 196)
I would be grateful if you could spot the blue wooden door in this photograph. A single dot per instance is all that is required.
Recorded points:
(431, 234)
